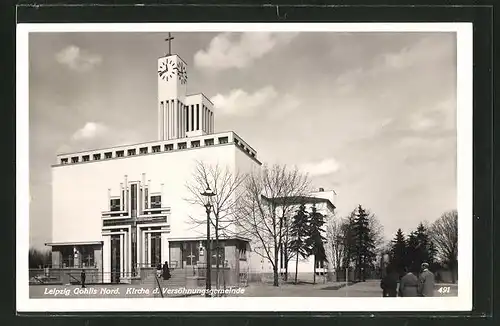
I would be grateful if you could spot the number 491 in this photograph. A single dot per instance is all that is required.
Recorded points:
(444, 289)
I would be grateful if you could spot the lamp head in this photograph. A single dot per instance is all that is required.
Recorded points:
(208, 192)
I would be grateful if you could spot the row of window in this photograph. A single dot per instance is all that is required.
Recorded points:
(145, 150)
(154, 202)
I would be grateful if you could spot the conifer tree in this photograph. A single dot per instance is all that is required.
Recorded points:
(398, 252)
(316, 239)
(412, 252)
(299, 232)
(420, 248)
(364, 247)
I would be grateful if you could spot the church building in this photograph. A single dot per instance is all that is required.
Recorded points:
(117, 211)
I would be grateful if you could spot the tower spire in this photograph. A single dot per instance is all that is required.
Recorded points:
(169, 40)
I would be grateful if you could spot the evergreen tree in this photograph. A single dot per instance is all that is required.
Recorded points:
(363, 243)
(299, 232)
(398, 252)
(420, 248)
(432, 253)
(316, 238)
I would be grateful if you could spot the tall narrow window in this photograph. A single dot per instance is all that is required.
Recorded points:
(161, 119)
(186, 109)
(172, 117)
(205, 119)
(146, 198)
(212, 121)
(177, 120)
(197, 117)
(192, 118)
(165, 120)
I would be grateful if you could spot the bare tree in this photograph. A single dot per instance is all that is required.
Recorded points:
(335, 234)
(444, 235)
(377, 230)
(225, 184)
(271, 195)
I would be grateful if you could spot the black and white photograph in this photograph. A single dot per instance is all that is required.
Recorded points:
(269, 166)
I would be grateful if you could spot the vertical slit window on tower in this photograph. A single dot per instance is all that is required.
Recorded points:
(197, 117)
(192, 118)
(186, 117)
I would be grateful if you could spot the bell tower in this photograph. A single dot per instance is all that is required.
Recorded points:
(172, 86)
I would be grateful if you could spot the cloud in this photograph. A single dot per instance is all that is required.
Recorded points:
(90, 130)
(326, 166)
(241, 103)
(231, 50)
(77, 59)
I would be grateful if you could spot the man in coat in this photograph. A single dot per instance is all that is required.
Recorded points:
(408, 286)
(426, 282)
(83, 277)
(389, 283)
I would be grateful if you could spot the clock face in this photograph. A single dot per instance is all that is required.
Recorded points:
(167, 69)
(182, 73)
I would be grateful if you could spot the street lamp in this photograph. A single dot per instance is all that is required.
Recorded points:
(208, 193)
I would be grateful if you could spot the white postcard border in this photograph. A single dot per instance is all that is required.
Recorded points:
(463, 302)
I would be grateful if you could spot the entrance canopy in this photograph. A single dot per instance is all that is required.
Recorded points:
(81, 243)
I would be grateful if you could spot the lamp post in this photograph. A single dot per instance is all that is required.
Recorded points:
(208, 194)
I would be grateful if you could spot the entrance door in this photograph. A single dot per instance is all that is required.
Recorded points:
(115, 259)
(191, 254)
(155, 249)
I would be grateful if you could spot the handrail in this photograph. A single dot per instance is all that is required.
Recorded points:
(77, 280)
(159, 286)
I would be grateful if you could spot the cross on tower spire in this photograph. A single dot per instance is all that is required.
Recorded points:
(169, 40)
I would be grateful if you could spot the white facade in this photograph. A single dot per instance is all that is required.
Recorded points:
(130, 203)
(324, 203)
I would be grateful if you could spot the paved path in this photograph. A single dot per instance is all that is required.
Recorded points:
(369, 288)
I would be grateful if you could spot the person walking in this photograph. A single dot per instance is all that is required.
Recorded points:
(408, 286)
(389, 283)
(426, 282)
(158, 270)
(83, 277)
(166, 271)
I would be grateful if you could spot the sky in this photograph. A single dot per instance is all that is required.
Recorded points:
(369, 115)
